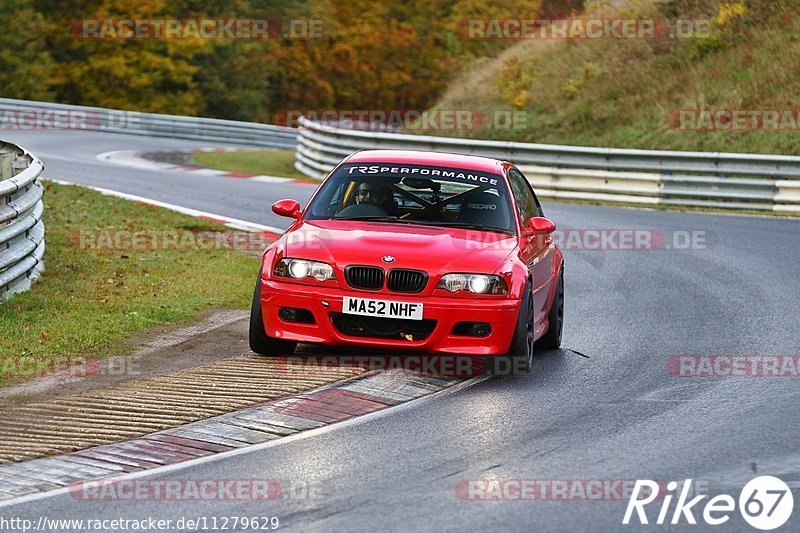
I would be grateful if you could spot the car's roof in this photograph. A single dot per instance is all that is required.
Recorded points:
(439, 159)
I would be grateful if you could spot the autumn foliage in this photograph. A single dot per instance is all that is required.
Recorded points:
(372, 54)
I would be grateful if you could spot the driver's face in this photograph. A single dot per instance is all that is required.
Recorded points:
(368, 193)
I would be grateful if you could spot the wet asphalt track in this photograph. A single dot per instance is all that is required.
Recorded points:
(617, 414)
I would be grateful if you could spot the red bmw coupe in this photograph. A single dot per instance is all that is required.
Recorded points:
(418, 251)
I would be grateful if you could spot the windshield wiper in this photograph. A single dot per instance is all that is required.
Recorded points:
(470, 225)
(454, 224)
(393, 220)
(372, 218)
(439, 223)
(462, 224)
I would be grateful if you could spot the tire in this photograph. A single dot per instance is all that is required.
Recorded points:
(260, 343)
(519, 359)
(551, 340)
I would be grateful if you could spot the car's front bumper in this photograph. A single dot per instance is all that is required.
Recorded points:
(500, 314)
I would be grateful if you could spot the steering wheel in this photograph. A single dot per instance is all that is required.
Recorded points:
(361, 210)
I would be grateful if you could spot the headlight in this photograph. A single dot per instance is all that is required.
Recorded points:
(301, 269)
(474, 283)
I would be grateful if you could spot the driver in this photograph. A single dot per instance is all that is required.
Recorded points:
(377, 194)
(371, 193)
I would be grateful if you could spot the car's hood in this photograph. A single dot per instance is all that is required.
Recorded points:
(428, 248)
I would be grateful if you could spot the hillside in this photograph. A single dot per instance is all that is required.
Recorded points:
(627, 93)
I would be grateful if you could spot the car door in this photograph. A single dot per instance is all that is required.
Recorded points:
(536, 250)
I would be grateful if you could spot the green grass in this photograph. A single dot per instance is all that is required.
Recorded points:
(620, 93)
(255, 162)
(88, 302)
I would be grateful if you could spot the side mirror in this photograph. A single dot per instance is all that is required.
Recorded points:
(287, 208)
(539, 226)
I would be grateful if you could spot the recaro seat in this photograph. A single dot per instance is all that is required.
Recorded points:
(482, 207)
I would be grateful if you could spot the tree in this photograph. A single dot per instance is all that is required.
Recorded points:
(140, 74)
(25, 64)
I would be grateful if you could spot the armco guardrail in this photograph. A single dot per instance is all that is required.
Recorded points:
(26, 114)
(638, 177)
(21, 227)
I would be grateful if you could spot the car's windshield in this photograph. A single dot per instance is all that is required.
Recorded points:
(415, 194)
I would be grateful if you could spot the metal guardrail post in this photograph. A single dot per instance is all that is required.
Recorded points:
(31, 114)
(727, 181)
(21, 227)
(693, 179)
(6, 164)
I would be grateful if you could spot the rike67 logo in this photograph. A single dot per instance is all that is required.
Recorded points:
(765, 503)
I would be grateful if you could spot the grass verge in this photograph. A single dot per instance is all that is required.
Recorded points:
(256, 162)
(90, 300)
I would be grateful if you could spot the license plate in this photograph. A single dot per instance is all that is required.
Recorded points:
(381, 308)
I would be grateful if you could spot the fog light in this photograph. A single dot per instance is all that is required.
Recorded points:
(472, 329)
(297, 315)
(287, 314)
(480, 329)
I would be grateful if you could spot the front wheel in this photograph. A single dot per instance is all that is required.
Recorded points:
(551, 340)
(259, 341)
(519, 359)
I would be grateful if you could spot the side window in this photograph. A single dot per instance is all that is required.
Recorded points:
(328, 203)
(539, 211)
(527, 203)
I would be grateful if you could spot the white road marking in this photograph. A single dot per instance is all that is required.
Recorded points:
(132, 159)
